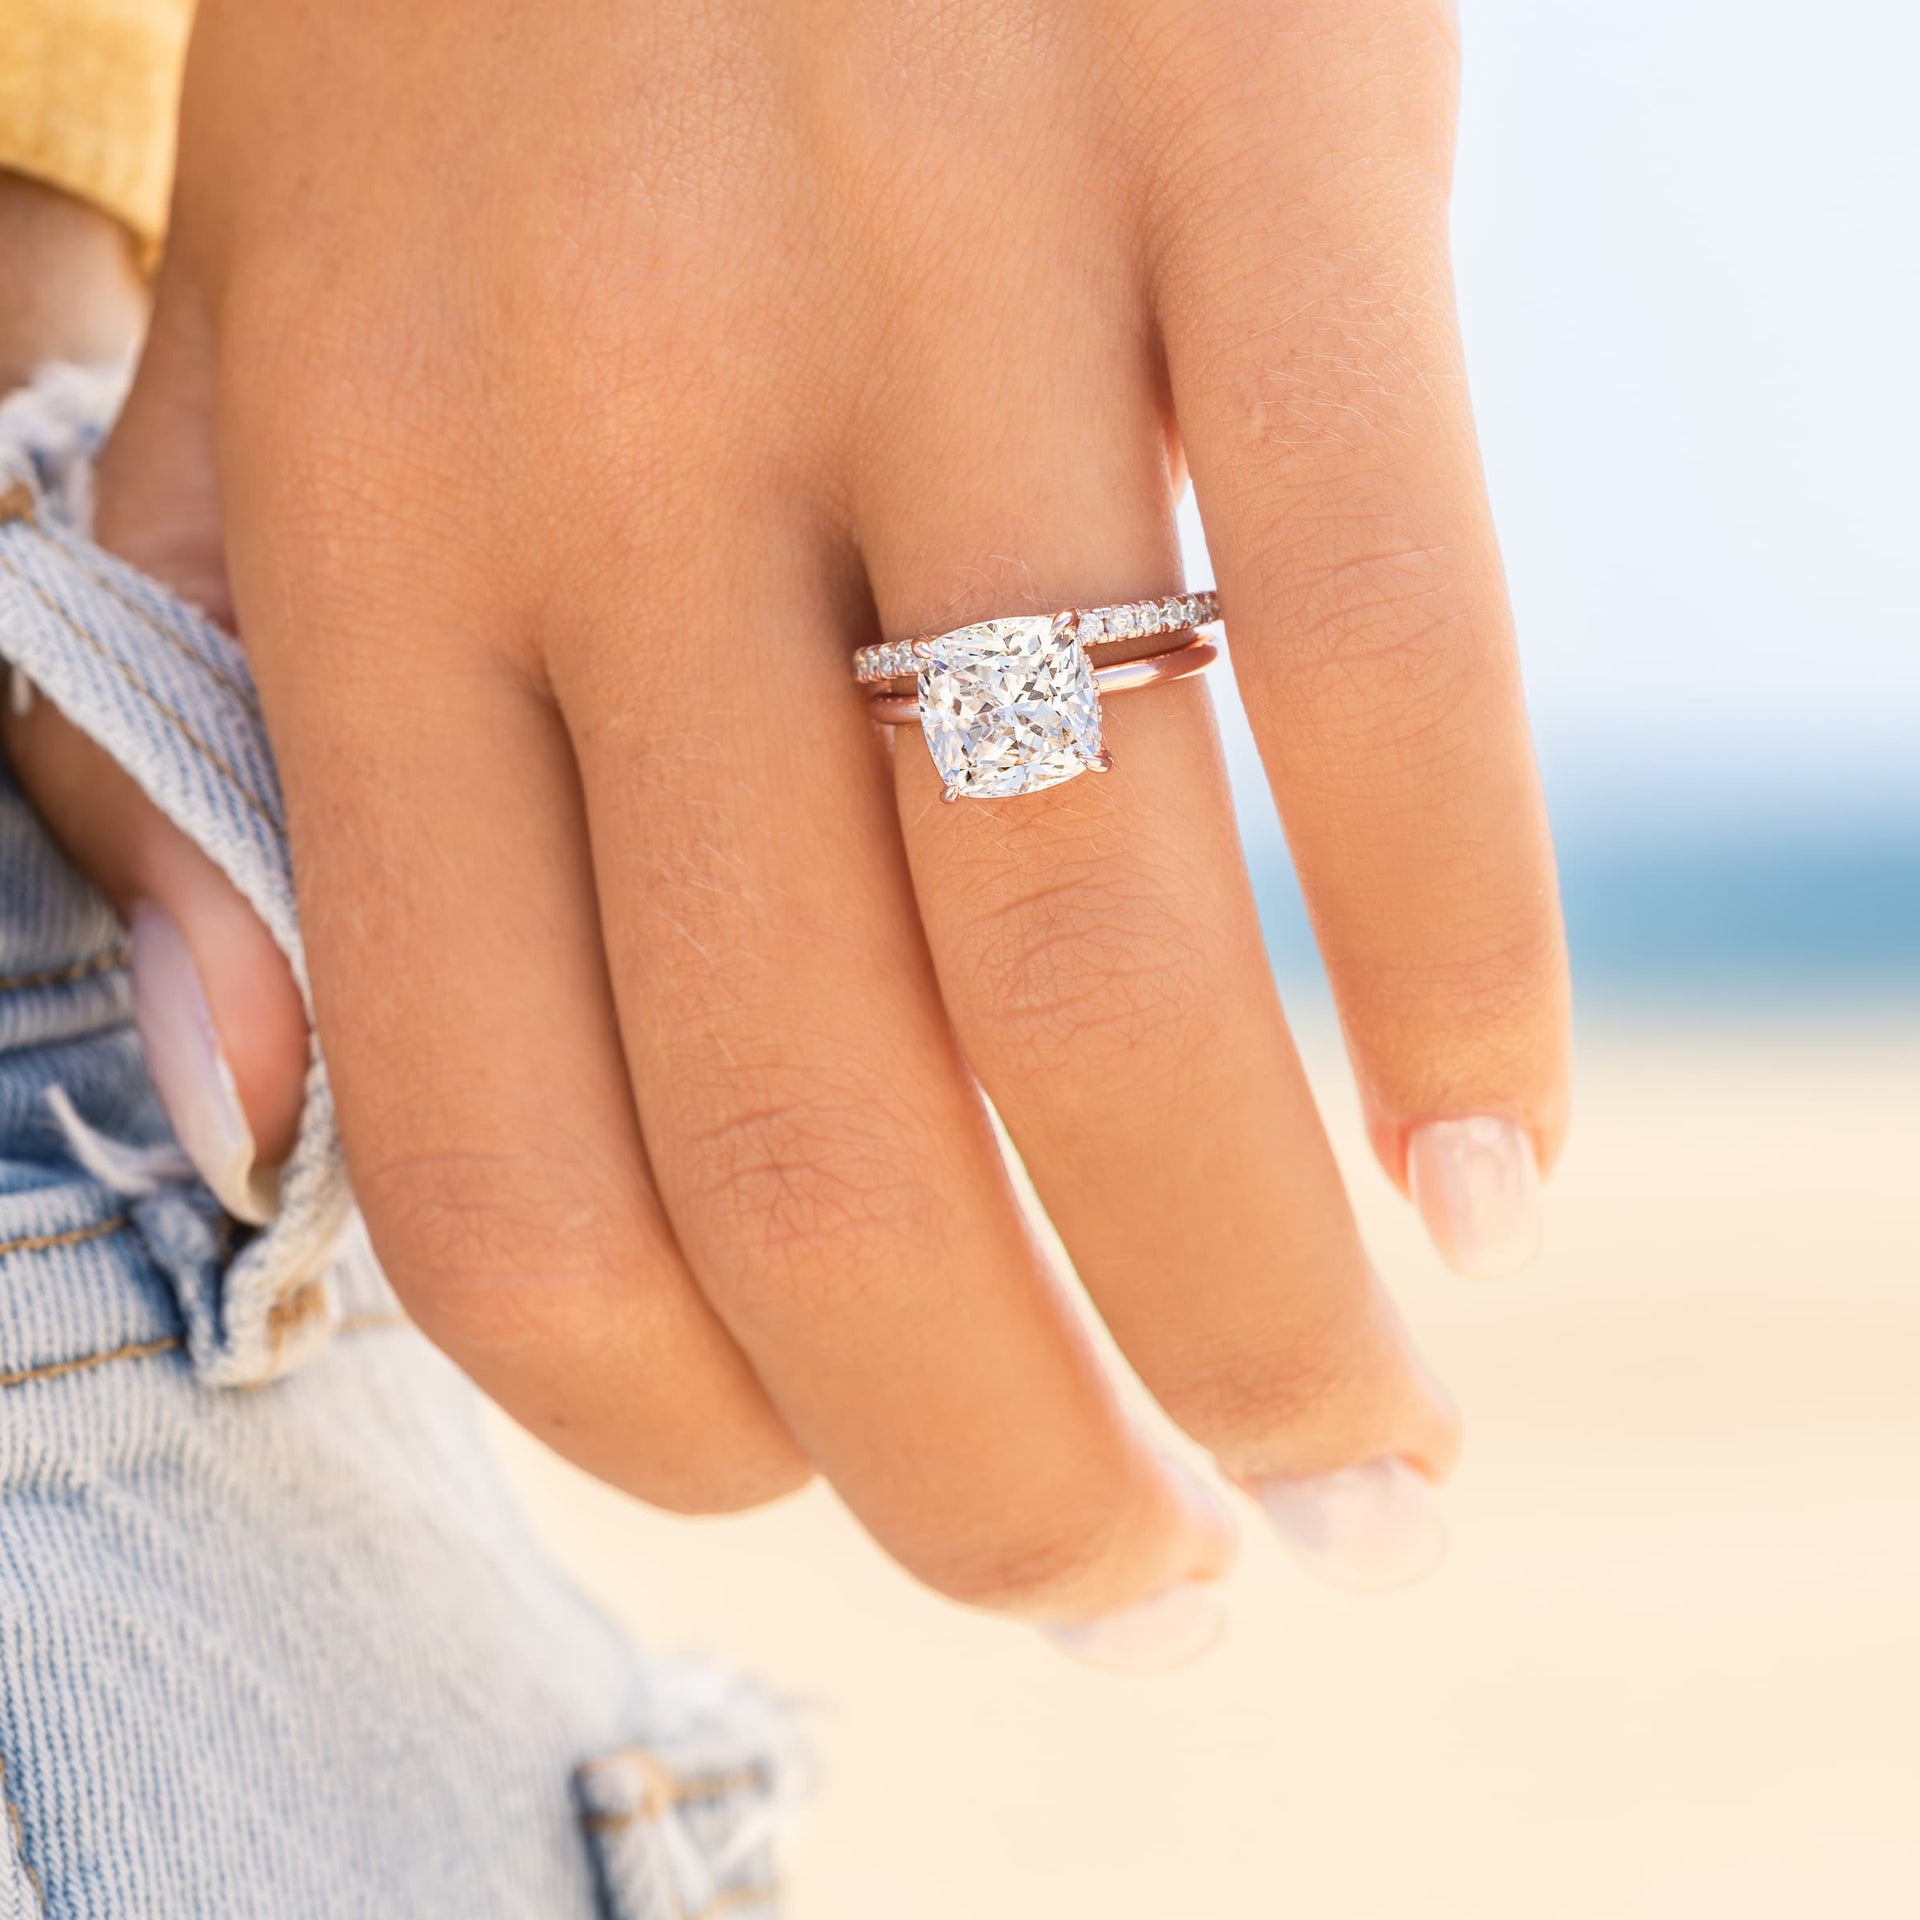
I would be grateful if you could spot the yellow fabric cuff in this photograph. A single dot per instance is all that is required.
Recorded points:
(88, 94)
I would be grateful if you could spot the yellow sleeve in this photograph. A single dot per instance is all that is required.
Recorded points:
(88, 93)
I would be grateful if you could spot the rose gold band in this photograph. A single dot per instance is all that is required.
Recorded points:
(1092, 626)
(1177, 663)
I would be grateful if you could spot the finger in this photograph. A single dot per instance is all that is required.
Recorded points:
(827, 1165)
(1316, 372)
(1103, 962)
(459, 989)
(1096, 941)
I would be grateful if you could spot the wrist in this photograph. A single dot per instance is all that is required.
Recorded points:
(72, 290)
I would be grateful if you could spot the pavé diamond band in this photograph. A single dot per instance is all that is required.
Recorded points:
(1091, 626)
(1011, 706)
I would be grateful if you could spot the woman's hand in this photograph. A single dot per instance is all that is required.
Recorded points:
(579, 390)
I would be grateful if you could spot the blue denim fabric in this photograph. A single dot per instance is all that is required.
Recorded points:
(284, 1651)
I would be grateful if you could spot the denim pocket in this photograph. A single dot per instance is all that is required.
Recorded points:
(681, 1842)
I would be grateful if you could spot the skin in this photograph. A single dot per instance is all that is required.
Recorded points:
(554, 411)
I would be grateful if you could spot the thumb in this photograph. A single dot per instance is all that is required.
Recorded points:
(218, 1014)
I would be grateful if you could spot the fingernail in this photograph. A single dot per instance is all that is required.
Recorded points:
(1477, 1186)
(1155, 1636)
(1370, 1528)
(20, 692)
(189, 1071)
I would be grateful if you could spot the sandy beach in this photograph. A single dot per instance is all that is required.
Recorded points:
(1671, 1669)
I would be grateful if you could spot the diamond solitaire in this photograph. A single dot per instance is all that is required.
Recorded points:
(1013, 705)
(1009, 706)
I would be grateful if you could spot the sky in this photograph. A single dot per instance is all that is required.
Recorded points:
(1687, 239)
(1687, 236)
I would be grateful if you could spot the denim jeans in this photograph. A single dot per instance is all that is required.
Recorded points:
(273, 1642)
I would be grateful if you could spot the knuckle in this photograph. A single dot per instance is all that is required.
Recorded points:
(526, 1281)
(1098, 964)
(1035, 1571)
(1387, 663)
(480, 1243)
(1244, 1398)
(799, 1177)
(1347, 374)
(1321, 1381)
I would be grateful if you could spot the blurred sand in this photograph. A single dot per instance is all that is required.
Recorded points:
(1671, 1670)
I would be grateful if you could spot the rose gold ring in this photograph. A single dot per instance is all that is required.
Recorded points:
(1013, 705)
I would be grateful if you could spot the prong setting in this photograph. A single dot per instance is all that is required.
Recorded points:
(1013, 705)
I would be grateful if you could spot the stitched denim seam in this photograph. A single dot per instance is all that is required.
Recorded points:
(375, 1320)
(168, 1343)
(18, 1829)
(56, 1369)
(189, 737)
(65, 976)
(731, 1897)
(666, 1790)
(72, 1237)
(212, 669)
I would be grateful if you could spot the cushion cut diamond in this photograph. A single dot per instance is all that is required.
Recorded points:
(1009, 706)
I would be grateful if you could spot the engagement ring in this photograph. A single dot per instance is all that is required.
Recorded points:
(1013, 705)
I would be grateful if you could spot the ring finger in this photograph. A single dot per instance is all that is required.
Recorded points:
(1098, 949)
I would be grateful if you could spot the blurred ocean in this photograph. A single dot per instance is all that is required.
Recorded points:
(1722, 920)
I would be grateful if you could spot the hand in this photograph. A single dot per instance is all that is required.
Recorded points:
(579, 396)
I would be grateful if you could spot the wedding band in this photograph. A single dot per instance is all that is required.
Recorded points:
(1091, 626)
(1013, 705)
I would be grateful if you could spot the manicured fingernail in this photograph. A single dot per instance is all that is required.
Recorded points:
(1156, 1635)
(1372, 1528)
(20, 692)
(189, 1071)
(1477, 1186)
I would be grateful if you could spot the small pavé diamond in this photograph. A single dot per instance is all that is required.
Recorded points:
(1009, 706)
(1091, 626)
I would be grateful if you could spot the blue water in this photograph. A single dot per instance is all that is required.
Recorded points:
(1820, 916)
